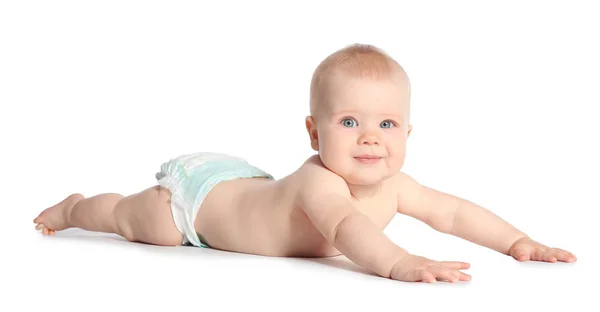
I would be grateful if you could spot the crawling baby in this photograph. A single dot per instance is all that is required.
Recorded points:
(337, 202)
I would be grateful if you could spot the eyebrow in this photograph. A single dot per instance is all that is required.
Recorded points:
(351, 112)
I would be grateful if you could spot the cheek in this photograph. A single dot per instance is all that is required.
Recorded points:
(396, 150)
(335, 141)
(334, 149)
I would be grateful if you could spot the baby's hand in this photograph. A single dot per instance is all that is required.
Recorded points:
(414, 268)
(526, 249)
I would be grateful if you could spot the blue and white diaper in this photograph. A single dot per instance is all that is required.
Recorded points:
(190, 178)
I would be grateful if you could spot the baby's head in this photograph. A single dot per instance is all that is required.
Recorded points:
(360, 106)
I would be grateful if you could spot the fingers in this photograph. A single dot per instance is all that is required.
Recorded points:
(437, 272)
(557, 254)
(457, 265)
(464, 277)
(450, 271)
(420, 269)
(444, 273)
(548, 257)
(521, 254)
(429, 275)
(551, 255)
(543, 255)
(537, 254)
(425, 276)
(419, 275)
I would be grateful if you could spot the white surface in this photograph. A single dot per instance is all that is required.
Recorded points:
(94, 97)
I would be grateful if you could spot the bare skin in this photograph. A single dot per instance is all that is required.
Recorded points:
(337, 202)
(282, 223)
(280, 226)
(142, 217)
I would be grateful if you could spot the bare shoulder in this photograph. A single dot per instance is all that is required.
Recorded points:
(405, 182)
(315, 180)
(408, 192)
(324, 197)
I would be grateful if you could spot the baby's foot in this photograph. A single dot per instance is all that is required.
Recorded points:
(53, 219)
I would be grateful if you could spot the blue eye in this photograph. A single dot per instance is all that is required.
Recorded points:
(386, 124)
(348, 122)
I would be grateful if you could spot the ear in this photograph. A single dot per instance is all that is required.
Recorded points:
(409, 130)
(311, 128)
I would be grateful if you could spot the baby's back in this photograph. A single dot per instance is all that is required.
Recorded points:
(262, 216)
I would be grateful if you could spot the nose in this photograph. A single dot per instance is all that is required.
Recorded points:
(368, 138)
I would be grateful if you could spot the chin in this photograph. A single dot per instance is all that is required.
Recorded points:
(364, 179)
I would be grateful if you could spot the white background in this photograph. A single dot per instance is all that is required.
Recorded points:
(95, 96)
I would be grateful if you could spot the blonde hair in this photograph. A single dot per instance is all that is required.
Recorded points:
(355, 60)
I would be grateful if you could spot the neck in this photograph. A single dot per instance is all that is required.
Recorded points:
(364, 191)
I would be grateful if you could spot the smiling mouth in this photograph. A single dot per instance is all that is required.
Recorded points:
(368, 159)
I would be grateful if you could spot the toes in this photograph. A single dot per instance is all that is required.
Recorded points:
(37, 219)
(45, 230)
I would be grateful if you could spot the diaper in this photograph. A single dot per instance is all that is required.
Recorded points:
(191, 177)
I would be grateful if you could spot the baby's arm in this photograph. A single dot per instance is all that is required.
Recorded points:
(456, 216)
(327, 204)
(325, 199)
(477, 224)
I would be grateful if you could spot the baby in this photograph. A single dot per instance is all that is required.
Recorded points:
(337, 202)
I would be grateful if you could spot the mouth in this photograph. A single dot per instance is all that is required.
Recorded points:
(368, 159)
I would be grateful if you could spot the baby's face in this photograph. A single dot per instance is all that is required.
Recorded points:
(363, 127)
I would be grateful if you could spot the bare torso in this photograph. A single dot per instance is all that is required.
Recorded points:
(261, 216)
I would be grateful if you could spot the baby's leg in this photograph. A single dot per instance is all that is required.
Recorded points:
(142, 217)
